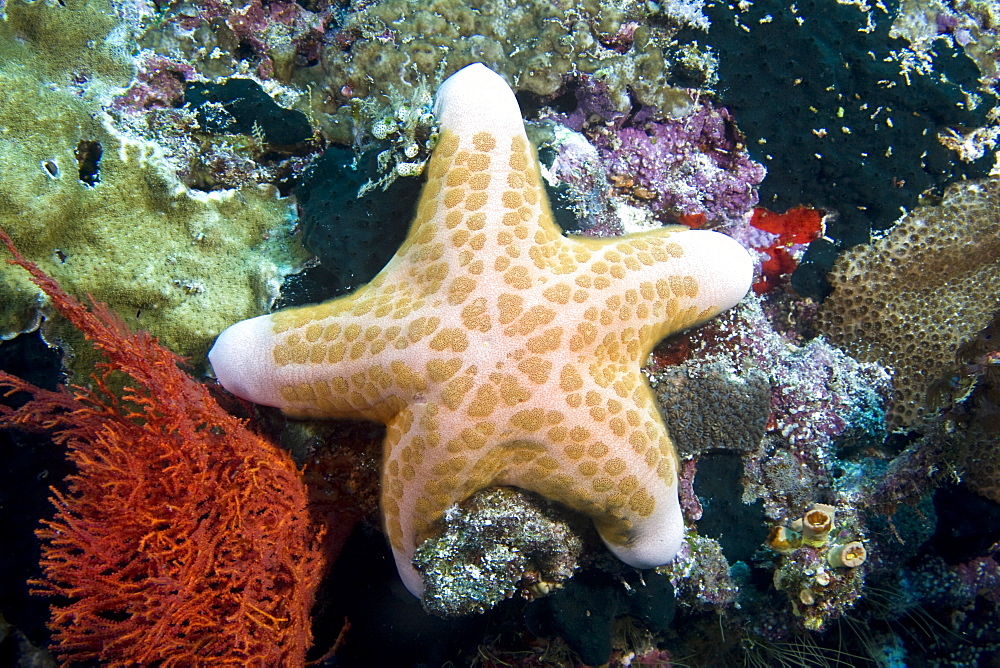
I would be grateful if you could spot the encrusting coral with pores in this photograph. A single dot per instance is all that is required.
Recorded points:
(102, 211)
(498, 351)
(911, 298)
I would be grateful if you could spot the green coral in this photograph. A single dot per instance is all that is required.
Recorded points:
(363, 71)
(179, 263)
(399, 44)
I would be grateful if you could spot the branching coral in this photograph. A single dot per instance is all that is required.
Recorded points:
(183, 538)
(910, 299)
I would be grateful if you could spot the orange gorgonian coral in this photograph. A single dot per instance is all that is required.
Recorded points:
(184, 538)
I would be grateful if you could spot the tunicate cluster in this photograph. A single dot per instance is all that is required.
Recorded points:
(819, 564)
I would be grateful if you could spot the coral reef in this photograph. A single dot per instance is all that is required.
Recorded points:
(373, 59)
(960, 441)
(819, 396)
(214, 136)
(392, 46)
(910, 299)
(787, 418)
(818, 567)
(643, 113)
(496, 543)
(183, 537)
(102, 212)
(970, 24)
(692, 167)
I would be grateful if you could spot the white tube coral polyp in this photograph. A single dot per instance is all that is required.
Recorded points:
(817, 524)
(848, 555)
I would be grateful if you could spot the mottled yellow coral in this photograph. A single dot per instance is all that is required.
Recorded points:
(118, 225)
(442, 36)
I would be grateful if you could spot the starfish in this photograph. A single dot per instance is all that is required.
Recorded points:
(496, 350)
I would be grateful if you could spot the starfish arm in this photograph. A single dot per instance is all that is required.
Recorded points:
(663, 281)
(642, 522)
(404, 452)
(243, 362)
(603, 451)
(316, 361)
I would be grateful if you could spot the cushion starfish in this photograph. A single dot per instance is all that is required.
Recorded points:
(496, 350)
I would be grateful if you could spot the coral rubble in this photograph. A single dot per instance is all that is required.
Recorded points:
(495, 544)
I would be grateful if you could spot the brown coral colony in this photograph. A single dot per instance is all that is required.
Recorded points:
(910, 299)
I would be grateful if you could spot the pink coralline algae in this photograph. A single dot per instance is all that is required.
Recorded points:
(281, 35)
(982, 574)
(820, 399)
(159, 83)
(695, 167)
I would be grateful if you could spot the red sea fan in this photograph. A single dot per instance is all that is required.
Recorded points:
(184, 538)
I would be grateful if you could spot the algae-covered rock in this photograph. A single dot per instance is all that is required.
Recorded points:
(102, 212)
(384, 51)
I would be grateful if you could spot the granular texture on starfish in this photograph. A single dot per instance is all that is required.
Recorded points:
(496, 350)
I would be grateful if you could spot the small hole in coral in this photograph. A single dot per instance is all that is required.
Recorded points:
(88, 157)
(51, 168)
